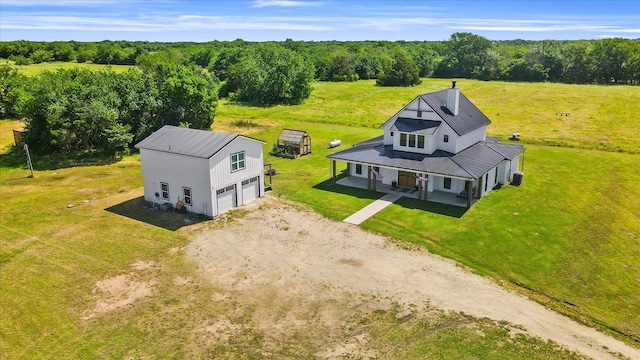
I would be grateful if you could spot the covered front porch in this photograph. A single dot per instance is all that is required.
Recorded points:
(434, 196)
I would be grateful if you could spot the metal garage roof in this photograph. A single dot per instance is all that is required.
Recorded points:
(190, 142)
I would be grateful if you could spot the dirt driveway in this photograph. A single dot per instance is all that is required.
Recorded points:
(283, 249)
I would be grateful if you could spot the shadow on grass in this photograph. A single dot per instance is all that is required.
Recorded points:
(138, 209)
(328, 185)
(409, 203)
(15, 158)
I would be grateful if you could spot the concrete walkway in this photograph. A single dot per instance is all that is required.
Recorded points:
(372, 209)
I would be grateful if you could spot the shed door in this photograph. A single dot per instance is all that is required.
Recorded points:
(227, 198)
(250, 189)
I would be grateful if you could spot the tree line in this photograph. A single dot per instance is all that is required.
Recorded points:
(464, 55)
(179, 83)
(104, 112)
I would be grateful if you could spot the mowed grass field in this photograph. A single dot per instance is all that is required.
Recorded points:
(568, 237)
(35, 69)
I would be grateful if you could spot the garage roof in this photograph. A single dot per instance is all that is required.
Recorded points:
(189, 142)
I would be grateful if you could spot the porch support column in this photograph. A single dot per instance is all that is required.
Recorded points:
(426, 189)
(469, 192)
(368, 177)
(333, 171)
(480, 181)
(374, 181)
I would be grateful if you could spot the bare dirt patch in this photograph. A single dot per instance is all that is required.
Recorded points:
(288, 263)
(122, 290)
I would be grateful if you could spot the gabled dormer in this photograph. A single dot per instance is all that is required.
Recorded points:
(443, 120)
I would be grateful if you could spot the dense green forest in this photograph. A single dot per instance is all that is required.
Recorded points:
(464, 55)
(179, 83)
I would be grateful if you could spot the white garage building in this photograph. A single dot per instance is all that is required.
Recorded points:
(211, 172)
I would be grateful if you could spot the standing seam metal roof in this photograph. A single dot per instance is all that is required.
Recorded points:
(470, 163)
(428, 127)
(190, 142)
(469, 117)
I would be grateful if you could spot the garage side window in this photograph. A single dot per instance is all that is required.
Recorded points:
(164, 190)
(237, 161)
(187, 195)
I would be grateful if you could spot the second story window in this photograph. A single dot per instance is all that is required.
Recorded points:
(237, 161)
(446, 138)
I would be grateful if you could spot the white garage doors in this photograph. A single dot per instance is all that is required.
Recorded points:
(250, 189)
(227, 198)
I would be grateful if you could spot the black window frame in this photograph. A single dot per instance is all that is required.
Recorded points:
(187, 195)
(164, 191)
(359, 169)
(446, 138)
(404, 139)
(447, 183)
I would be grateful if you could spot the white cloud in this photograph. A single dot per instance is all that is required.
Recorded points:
(285, 3)
(161, 23)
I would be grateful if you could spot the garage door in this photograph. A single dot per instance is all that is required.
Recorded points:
(250, 189)
(226, 198)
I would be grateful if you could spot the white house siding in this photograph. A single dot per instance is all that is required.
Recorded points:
(409, 111)
(445, 129)
(221, 173)
(158, 166)
(430, 143)
(469, 139)
(515, 163)
(436, 183)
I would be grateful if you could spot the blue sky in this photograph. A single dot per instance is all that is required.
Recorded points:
(263, 20)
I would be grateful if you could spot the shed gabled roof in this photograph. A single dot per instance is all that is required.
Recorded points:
(190, 142)
(291, 135)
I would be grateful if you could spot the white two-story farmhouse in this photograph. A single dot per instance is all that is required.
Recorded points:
(434, 148)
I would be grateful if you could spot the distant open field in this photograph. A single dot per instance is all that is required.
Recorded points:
(35, 69)
(601, 117)
(568, 237)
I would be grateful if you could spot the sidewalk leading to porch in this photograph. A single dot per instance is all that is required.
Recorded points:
(372, 209)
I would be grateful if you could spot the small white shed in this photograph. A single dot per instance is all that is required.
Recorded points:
(211, 172)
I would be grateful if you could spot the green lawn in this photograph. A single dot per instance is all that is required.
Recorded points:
(71, 226)
(568, 237)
